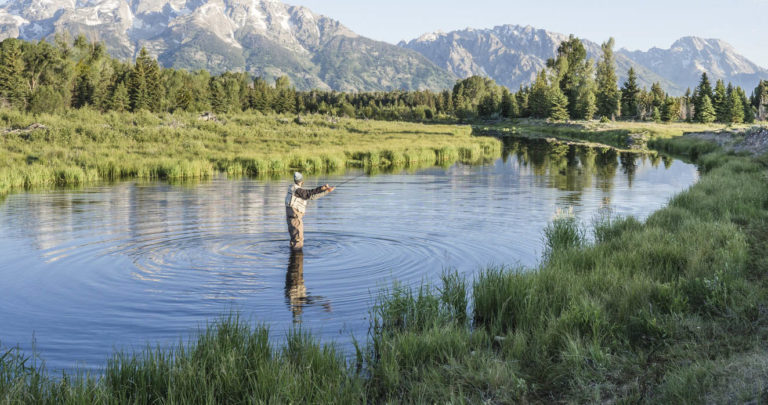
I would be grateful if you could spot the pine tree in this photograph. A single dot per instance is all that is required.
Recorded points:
(539, 101)
(120, 101)
(522, 102)
(703, 89)
(735, 107)
(13, 87)
(144, 86)
(558, 104)
(509, 107)
(137, 85)
(720, 102)
(656, 114)
(574, 74)
(608, 95)
(706, 113)
(669, 111)
(445, 101)
(587, 104)
(657, 95)
(629, 96)
(749, 111)
(487, 106)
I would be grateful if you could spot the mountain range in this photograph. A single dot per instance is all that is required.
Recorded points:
(269, 38)
(513, 55)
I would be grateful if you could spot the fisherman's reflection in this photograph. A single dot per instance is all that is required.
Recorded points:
(296, 291)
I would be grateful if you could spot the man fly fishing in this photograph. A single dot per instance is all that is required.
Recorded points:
(296, 205)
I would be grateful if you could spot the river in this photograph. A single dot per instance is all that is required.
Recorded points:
(85, 272)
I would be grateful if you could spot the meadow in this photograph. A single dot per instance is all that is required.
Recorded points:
(669, 310)
(84, 146)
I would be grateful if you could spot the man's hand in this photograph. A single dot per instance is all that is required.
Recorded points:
(328, 188)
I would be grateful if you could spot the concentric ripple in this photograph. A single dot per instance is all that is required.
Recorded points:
(116, 267)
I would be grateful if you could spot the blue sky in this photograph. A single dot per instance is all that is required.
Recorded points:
(634, 24)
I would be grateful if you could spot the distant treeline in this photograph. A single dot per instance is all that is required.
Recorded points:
(49, 77)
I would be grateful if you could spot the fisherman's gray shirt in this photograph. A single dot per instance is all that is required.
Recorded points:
(298, 197)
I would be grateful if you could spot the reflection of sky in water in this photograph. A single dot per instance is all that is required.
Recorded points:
(120, 266)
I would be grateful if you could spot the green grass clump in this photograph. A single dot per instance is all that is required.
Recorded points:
(83, 146)
(227, 363)
(690, 147)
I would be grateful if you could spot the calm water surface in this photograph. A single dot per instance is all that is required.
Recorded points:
(86, 272)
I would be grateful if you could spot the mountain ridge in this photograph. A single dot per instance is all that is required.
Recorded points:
(513, 54)
(269, 38)
(263, 37)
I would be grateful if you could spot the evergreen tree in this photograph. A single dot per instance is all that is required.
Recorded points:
(445, 102)
(144, 87)
(137, 88)
(702, 90)
(608, 95)
(558, 104)
(705, 89)
(629, 96)
(538, 101)
(509, 107)
(657, 95)
(669, 111)
(84, 89)
(749, 111)
(260, 96)
(735, 107)
(706, 113)
(656, 114)
(574, 74)
(120, 100)
(522, 102)
(720, 101)
(12, 84)
(487, 106)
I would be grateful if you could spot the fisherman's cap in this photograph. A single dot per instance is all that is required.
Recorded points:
(297, 177)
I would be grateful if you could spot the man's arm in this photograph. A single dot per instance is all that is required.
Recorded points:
(309, 194)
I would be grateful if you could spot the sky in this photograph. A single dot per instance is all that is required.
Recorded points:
(634, 24)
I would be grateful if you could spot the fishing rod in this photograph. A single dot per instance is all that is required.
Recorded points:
(348, 180)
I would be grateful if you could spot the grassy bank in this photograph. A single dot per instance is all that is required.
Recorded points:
(670, 310)
(83, 146)
(667, 311)
(619, 134)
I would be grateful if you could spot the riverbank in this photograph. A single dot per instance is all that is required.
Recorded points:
(83, 146)
(622, 135)
(671, 310)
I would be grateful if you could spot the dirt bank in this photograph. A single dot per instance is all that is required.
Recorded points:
(753, 140)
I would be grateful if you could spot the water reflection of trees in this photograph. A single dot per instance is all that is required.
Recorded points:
(570, 167)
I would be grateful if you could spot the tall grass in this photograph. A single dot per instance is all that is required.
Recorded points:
(229, 362)
(83, 146)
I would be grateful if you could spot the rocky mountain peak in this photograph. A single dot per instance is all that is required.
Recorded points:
(263, 37)
(513, 54)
